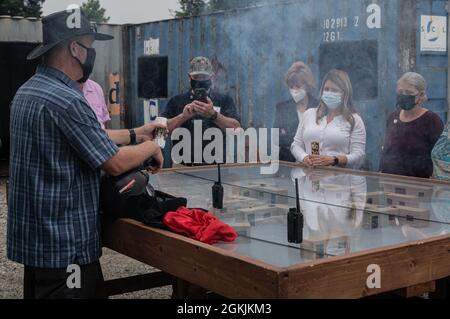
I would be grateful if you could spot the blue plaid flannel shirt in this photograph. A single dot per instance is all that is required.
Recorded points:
(57, 150)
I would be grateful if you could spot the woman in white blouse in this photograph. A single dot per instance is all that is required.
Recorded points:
(333, 127)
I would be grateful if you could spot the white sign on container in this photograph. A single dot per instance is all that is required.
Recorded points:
(433, 33)
(151, 47)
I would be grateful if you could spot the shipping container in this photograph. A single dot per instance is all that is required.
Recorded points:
(251, 49)
(374, 41)
(18, 36)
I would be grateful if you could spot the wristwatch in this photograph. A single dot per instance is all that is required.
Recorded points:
(336, 161)
(215, 116)
(133, 137)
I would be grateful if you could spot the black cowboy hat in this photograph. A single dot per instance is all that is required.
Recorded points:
(61, 26)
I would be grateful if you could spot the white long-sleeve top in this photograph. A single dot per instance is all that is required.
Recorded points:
(326, 202)
(335, 138)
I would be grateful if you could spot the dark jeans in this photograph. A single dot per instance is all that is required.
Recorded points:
(42, 283)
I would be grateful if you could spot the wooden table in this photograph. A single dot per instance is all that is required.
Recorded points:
(408, 267)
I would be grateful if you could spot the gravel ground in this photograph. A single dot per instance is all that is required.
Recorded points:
(114, 266)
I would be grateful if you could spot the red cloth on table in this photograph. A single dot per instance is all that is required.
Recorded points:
(198, 225)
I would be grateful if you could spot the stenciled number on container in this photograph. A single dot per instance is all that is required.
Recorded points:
(373, 21)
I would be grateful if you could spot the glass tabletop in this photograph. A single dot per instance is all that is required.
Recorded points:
(343, 212)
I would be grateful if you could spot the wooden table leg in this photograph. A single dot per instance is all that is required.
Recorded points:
(132, 284)
(183, 290)
(442, 289)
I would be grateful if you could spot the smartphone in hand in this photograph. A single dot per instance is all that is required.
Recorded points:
(201, 95)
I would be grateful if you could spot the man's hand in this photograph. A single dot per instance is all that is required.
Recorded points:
(205, 110)
(146, 132)
(189, 111)
(130, 157)
(157, 162)
(176, 122)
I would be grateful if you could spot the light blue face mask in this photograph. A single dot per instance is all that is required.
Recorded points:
(331, 99)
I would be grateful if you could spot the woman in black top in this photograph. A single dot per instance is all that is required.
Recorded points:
(412, 131)
(301, 84)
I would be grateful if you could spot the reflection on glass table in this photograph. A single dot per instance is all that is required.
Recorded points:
(344, 213)
(384, 194)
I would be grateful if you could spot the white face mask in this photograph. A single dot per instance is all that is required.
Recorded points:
(331, 99)
(298, 94)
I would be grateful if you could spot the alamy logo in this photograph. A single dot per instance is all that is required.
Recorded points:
(74, 280)
(74, 19)
(374, 280)
(236, 144)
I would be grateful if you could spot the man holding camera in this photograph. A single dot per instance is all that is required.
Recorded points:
(201, 103)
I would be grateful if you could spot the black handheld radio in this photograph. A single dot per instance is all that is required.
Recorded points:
(217, 192)
(295, 221)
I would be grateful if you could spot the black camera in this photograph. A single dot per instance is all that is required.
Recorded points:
(201, 95)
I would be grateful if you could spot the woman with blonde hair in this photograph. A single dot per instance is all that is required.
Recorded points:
(412, 131)
(301, 84)
(332, 134)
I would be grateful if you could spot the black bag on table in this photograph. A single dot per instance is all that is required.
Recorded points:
(132, 196)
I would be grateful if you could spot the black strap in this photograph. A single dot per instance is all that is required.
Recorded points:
(133, 137)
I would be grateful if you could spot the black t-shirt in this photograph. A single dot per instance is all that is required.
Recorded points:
(223, 104)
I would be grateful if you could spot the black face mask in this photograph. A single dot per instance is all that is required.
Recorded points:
(406, 102)
(201, 84)
(88, 66)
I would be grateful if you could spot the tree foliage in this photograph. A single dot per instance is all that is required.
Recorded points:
(94, 11)
(25, 8)
(191, 8)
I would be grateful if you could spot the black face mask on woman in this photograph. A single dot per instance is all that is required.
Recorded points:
(87, 66)
(406, 102)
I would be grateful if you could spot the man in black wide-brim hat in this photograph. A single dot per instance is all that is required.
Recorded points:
(58, 150)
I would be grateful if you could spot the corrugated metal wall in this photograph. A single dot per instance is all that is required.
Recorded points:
(109, 61)
(434, 67)
(255, 48)
(109, 53)
(18, 37)
(18, 29)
